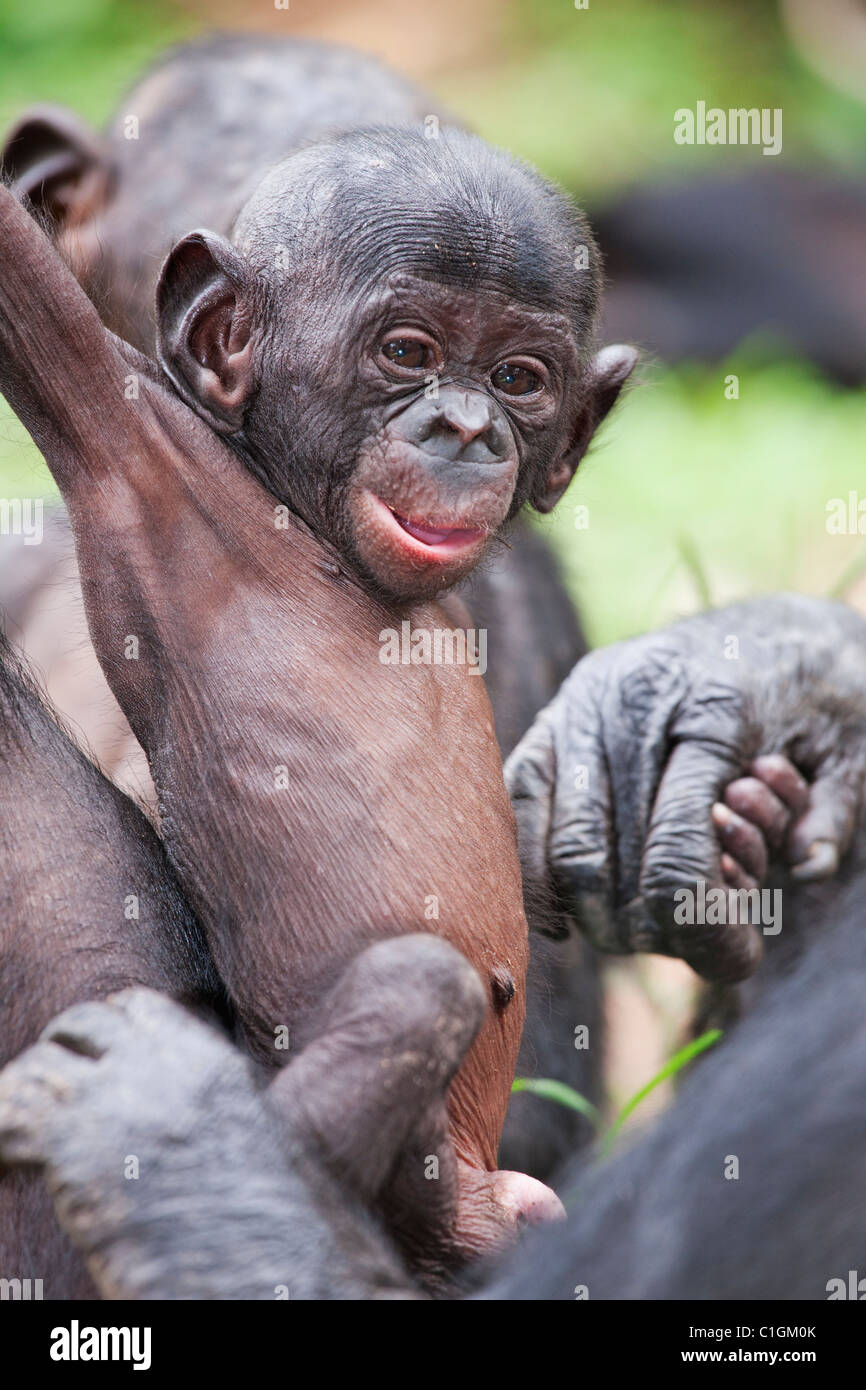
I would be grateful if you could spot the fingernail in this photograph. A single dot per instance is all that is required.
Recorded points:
(822, 861)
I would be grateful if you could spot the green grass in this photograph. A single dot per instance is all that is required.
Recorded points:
(562, 1094)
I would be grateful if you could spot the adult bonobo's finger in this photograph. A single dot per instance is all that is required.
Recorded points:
(683, 860)
(821, 835)
(372, 1084)
(530, 777)
(559, 784)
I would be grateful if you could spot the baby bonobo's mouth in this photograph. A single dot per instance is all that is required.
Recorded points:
(412, 551)
(455, 536)
(422, 540)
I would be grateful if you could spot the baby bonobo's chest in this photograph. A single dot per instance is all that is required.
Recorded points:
(360, 740)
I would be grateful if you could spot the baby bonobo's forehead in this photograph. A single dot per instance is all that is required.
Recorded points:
(452, 212)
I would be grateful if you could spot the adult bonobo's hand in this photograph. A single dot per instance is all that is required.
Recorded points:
(659, 759)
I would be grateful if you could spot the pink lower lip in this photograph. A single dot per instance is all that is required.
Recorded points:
(437, 542)
(435, 535)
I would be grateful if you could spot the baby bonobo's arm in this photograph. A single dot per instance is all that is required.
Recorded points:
(62, 372)
(96, 408)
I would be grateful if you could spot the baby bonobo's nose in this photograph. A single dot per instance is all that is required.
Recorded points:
(460, 425)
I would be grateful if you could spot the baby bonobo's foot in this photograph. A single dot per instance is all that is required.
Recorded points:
(767, 816)
(166, 1168)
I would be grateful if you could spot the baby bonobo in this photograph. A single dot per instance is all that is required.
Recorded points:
(402, 350)
(399, 349)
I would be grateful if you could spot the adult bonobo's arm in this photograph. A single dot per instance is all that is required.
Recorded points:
(617, 785)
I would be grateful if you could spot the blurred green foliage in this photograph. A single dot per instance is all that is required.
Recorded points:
(744, 483)
(685, 490)
(80, 53)
(590, 95)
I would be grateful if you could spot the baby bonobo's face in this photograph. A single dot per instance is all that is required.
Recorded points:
(400, 346)
(460, 398)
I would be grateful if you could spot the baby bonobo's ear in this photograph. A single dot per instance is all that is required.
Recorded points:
(610, 370)
(203, 319)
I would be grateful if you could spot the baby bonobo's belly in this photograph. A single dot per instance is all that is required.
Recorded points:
(344, 802)
(425, 842)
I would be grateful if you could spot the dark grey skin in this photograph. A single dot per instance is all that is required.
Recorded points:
(693, 759)
(72, 850)
(785, 1096)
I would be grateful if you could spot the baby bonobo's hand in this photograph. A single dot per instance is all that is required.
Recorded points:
(762, 819)
(690, 760)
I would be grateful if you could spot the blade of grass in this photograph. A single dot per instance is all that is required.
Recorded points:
(562, 1094)
(670, 1068)
(690, 558)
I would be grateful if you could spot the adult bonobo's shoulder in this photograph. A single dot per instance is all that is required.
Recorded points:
(400, 343)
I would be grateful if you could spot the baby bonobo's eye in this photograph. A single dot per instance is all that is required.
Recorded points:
(410, 353)
(516, 379)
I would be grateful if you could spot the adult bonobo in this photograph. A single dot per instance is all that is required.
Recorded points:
(88, 905)
(313, 796)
